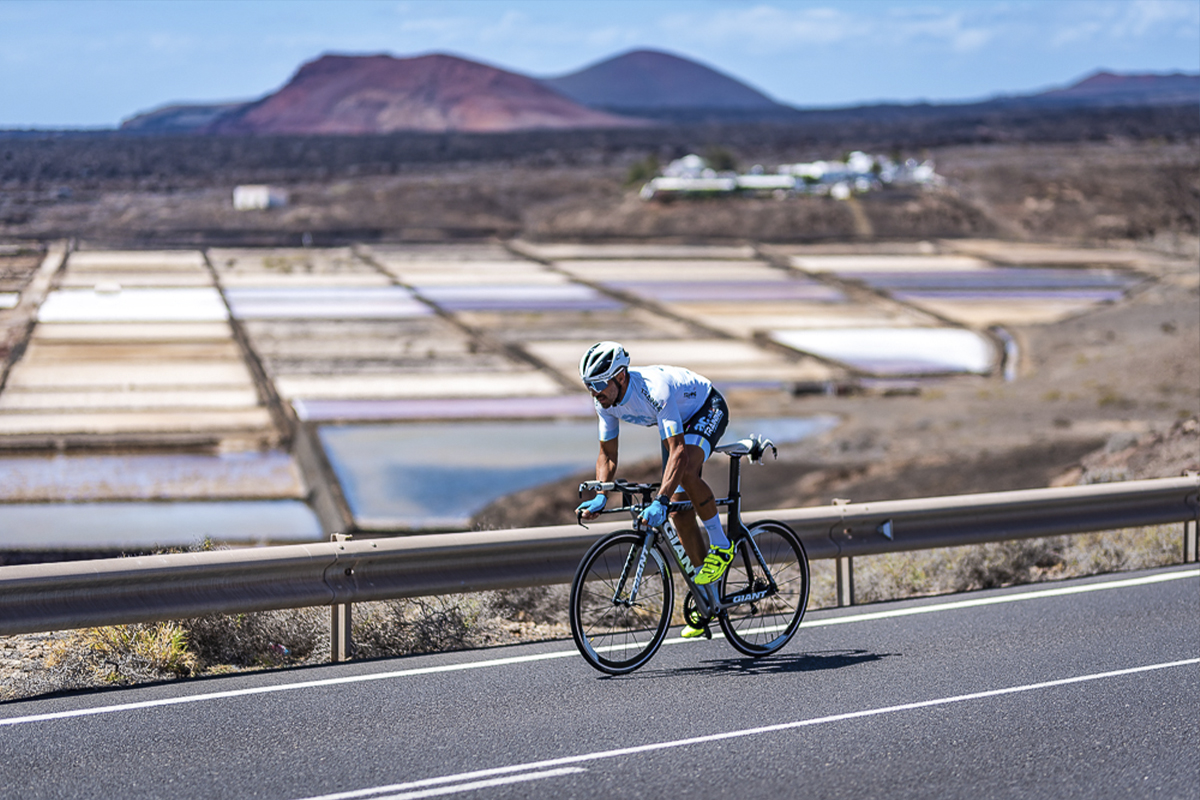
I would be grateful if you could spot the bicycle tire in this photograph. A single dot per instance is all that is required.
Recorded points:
(764, 626)
(613, 637)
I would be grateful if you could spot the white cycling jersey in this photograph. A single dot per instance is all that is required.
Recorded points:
(656, 395)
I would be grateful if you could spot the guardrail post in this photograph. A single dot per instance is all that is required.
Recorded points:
(845, 580)
(341, 640)
(1191, 541)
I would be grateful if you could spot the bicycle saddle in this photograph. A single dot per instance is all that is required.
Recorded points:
(754, 446)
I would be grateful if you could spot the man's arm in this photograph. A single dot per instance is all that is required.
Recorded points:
(606, 470)
(676, 465)
(606, 462)
(673, 475)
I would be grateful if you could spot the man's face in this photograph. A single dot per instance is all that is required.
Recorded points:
(609, 395)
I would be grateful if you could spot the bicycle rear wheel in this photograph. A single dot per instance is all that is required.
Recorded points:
(763, 626)
(615, 630)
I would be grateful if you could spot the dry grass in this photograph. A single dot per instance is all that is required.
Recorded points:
(124, 655)
(949, 570)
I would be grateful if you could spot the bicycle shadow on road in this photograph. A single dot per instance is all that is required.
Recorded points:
(779, 664)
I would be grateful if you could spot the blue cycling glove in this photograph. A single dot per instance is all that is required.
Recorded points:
(654, 514)
(593, 506)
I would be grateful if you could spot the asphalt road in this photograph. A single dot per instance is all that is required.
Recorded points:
(1087, 688)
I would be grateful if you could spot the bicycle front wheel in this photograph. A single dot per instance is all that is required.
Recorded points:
(618, 626)
(762, 626)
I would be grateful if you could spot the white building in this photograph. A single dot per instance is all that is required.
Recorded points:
(256, 196)
(859, 173)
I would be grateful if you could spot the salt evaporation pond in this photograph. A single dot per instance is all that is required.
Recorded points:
(437, 475)
(135, 477)
(306, 302)
(896, 351)
(132, 527)
(135, 502)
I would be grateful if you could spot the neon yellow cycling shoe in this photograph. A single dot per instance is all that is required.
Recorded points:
(715, 564)
(691, 632)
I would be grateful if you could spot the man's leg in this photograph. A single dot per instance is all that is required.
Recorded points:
(704, 503)
(694, 542)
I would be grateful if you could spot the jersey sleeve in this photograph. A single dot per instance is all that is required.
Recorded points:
(610, 425)
(670, 422)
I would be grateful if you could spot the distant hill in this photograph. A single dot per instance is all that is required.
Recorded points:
(381, 94)
(651, 83)
(178, 118)
(1110, 89)
(441, 93)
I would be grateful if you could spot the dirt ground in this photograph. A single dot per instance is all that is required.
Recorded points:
(1145, 192)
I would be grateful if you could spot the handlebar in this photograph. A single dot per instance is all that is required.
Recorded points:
(624, 486)
(754, 446)
(634, 496)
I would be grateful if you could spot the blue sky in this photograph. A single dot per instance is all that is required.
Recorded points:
(92, 63)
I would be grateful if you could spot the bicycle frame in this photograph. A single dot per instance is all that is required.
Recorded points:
(707, 601)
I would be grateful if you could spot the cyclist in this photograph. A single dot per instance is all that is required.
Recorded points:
(691, 416)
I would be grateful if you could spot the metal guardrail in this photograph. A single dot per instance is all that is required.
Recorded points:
(79, 594)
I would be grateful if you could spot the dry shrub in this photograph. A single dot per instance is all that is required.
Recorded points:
(260, 639)
(420, 625)
(1133, 548)
(120, 655)
(893, 576)
(221, 643)
(822, 590)
(990, 566)
(540, 604)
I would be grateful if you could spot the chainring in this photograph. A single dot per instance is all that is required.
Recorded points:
(691, 614)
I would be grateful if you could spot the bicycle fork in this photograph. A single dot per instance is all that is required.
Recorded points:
(642, 553)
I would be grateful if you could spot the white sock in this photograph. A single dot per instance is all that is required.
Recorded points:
(716, 534)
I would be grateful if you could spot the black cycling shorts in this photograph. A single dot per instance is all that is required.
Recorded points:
(706, 427)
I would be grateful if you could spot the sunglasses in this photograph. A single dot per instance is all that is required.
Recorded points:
(598, 386)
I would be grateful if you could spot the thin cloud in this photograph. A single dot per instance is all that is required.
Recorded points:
(788, 27)
(1145, 17)
(1089, 23)
(767, 26)
(951, 29)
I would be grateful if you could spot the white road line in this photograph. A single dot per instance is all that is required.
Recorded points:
(501, 662)
(1009, 598)
(473, 785)
(986, 601)
(786, 726)
(287, 687)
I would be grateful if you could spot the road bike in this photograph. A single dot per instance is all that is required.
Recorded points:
(623, 595)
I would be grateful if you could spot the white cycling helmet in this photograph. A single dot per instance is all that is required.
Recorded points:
(600, 363)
